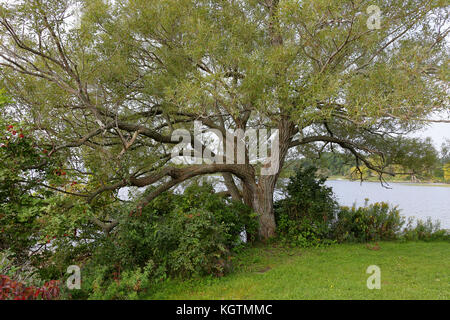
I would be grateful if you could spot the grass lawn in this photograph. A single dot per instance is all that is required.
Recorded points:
(412, 270)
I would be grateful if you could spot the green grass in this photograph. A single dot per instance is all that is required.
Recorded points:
(411, 270)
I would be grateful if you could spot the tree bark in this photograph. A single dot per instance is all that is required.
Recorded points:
(231, 186)
(265, 188)
(263, 205)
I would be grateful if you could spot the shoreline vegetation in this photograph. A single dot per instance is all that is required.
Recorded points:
(399, 181)
(432, 170)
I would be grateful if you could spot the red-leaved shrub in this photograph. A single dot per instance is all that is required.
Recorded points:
(13, 290)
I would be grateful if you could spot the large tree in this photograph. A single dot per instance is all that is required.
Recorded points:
(107, 92)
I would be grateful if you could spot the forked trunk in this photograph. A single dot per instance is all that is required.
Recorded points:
(259, 194)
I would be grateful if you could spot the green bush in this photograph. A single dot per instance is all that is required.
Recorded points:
(374, 222)
(200, 244)
(177, 235)
(309, 216)
(236, 216)
(424, 230)
(304, 216)
(123, 286)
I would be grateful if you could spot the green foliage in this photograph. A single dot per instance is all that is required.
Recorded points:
(4, 99)
(374, 222)
(21, 198)
(328, 163)
(309, 216)
(379, 221)
(236, 216)
(445, 151)
(416, 156)
(447, 172)
(199, 246)
(24, 274)
(304, 216)
(424, 230)
(177, 235)
(407, 158)
(126, 285)
(42, 230)
(34, 218)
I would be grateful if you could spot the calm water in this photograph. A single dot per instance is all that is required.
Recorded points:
(413, 200)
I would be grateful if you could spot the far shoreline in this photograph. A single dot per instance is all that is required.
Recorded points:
(424, 184)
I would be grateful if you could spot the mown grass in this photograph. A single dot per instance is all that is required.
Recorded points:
(411, 270)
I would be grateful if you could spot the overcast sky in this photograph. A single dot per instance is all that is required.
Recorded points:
(438, 132)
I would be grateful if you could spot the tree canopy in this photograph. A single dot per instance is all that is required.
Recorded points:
(105, 94)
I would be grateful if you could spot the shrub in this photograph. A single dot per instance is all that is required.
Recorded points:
(14, 290)
(200, 244)
(22, 281)
(24, 273)
(236, 216)
(177, 235)
(424, 230)
(123, 285)
(374, 222)
(304, 216)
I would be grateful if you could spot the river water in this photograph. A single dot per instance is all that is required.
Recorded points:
(419, 201)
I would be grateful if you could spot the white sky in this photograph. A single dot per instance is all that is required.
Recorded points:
(437, 131)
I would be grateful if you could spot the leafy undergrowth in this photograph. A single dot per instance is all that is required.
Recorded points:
(411, 270)
(14, 290)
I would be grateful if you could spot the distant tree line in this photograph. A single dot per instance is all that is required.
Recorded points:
(413, 160)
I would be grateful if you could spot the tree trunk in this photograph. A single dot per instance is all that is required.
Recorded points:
(231, 186)
(263, 205)
(259, 194)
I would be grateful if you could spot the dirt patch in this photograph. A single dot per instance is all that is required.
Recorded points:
(264, 270)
